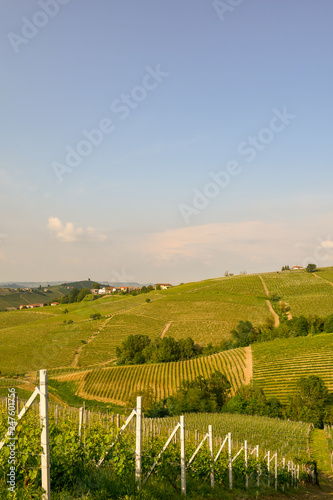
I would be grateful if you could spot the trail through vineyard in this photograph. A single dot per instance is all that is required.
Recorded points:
(319, 452)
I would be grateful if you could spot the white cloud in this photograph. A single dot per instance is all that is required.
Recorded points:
(327, 244)
(200, 242)
(68, 233)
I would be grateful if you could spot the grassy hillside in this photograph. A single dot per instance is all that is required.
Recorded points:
(115, 384)
(206, 310)
(10, 298)
(306, 293)
(278, 364)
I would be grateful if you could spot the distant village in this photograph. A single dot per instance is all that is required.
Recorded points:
(103, 291)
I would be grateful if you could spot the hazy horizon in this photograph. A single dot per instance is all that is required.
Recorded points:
(164, 142)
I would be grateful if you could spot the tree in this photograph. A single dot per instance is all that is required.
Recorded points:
(166, 350)
(131, 350)
(311, 268)
(200, 395)
(301, 326)
(72, 297)
(82, 293)
(274, 408)
(237, 404)
(148, 398)
(310, 400)
(329, 324)
(187, 348)
(244, 334)
(95, 316)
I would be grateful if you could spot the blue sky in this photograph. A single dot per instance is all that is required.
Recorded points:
(182, 93)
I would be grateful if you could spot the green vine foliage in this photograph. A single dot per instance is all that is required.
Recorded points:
(74, 462)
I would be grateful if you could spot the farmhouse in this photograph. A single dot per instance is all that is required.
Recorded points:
(295, 268)
(31, 306)
(106, 290)
(164, 286)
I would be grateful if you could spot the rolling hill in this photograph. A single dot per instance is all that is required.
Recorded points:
(14, 297)
(65, 340)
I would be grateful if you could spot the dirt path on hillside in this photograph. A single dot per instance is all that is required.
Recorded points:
(323, 279)
(269, 305)
(275, 316)
(166, 328)
(248, 370)
(90, 339)
(264, 285)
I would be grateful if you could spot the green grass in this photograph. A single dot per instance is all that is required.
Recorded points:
(66, 391)
(15, 299)
(288, 439)
(319, 450)
(278, 364)
(326, 273)
(305, 293)
(116, 384)
(206, 311)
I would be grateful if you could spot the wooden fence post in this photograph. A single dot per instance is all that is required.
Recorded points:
(246, 453)
(138, 440)
(210, 444)
(182, 455)
(258, 466)
(230, 459)
(17, 402)
(81, 410)
(44, 416)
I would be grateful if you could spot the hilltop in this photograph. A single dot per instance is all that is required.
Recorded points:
(13, 295)
(67, 340)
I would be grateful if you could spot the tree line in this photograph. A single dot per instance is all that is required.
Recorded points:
(140, 349)
(310, 402)
(245, 333)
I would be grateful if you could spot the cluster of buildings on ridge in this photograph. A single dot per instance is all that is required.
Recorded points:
(106, 290)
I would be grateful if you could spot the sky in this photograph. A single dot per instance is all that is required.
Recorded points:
(160, 141)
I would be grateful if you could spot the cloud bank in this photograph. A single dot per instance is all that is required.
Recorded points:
(68, 233)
